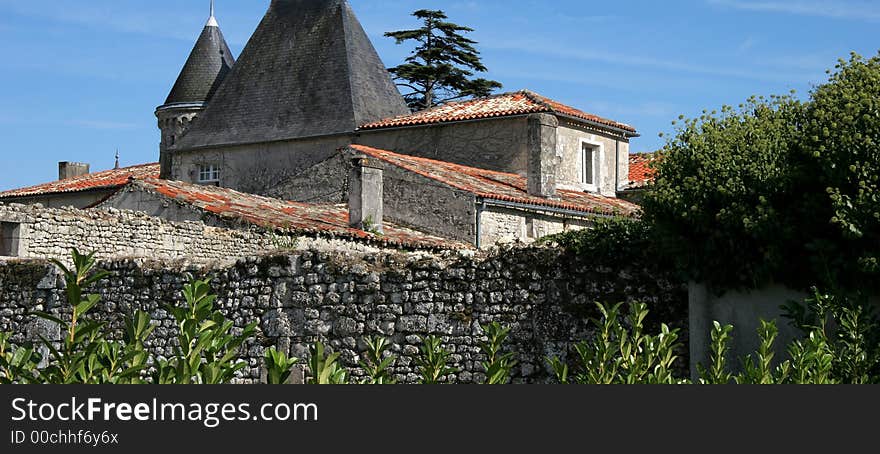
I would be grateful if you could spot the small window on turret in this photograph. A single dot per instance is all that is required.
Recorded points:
(209, 174)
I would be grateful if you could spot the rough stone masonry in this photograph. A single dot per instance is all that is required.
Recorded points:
(545, 295)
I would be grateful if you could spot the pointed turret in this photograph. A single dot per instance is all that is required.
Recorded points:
(309, 70)
(207, 66)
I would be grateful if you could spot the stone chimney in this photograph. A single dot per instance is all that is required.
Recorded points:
(72, 169)
(366, 191)
(542, 155)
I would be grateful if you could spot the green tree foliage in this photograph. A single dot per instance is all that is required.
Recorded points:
(739, 193)
(841, 146)
(722, 197)
(615, 241)
(441, 68)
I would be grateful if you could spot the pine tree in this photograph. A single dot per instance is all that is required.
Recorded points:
(441, 68)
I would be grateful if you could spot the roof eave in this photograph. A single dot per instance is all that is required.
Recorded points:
(597, 124)
(483, 198)
(55, 193)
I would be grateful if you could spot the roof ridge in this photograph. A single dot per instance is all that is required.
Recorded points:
(538, 99)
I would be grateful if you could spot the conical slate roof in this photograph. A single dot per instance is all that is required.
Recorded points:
(209, 63)
(308, 70)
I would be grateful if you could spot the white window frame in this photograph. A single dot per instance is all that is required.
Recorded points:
(598, 159)
(208, 174)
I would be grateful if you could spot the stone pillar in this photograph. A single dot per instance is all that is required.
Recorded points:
(72, 169)
(365, 197)
(542, 155)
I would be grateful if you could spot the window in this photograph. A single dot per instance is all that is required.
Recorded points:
(9, 239)
(591, 157)
(209, 174)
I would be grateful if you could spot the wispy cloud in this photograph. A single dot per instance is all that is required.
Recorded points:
(852, 10)
(747, 45)
(656, 63)
(103, 125)
(645, 109)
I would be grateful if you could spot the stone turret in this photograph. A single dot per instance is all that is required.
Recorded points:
(308, 71)
(205, 69)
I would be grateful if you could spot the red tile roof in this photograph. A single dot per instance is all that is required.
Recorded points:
(504, 105)
(498, 185)
(108, 179)
(640, 172)
(273, 214)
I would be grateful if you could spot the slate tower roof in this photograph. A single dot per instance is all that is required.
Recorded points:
(308, 70)
(209, 63)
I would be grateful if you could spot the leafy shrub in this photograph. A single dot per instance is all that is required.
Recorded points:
(621, 353)
(325, 368)
(278, 366)
(498, 365)
(611, 242)
(850, 330)
(433, 361)
(208, 350)
(378, 362)
(17, 365)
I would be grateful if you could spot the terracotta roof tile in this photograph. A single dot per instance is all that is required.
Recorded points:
(107, 179)
(498, 185)
(508, 104)
(640, 172)
(268, 213)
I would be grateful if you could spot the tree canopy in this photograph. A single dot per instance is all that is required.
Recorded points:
(442, 66)
(776, 189)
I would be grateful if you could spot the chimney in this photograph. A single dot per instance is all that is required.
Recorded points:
(366, 191)
(542, 155)
(72, 169)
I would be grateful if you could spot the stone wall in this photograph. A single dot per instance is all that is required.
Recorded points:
(500, 225)
(79, 199)
(262, 168)
(494, 144)
(544, 295)
(111, 233)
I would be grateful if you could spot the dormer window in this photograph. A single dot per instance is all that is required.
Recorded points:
(591, 158)
(209, 174)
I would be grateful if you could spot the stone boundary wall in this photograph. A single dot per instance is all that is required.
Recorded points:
(545, 295)
(44, 233)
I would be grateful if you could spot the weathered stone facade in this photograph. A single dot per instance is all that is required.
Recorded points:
(544, 295)
(504, 226)
(51, 233)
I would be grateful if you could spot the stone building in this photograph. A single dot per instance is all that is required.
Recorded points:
(309, 115)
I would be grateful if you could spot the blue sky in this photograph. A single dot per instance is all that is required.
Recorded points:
(79, 78)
